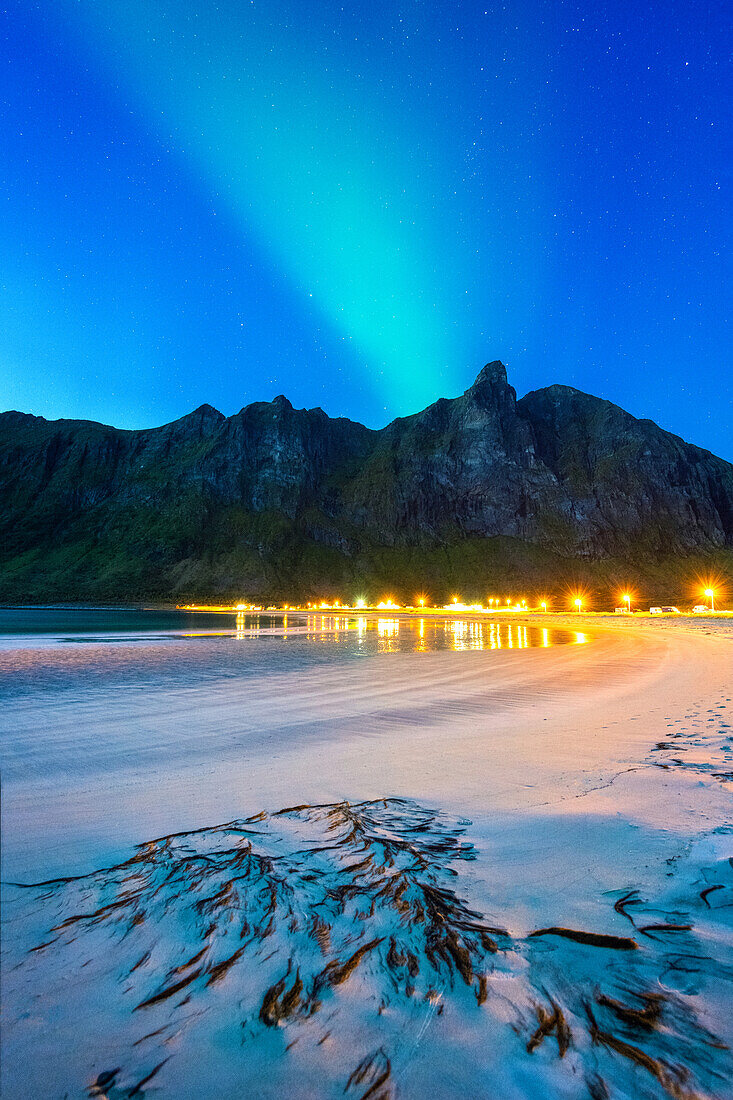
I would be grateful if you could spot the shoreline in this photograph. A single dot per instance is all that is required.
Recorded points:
(599, 708)
(579, 790)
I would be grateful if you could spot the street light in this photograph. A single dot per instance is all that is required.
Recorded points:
(578, 602)
(627, 598)
(710, 593)
(543, 605)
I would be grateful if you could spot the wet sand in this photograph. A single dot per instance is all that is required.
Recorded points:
(475, 731)
(566, 809)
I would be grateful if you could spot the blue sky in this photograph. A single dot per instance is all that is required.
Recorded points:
(358, 205)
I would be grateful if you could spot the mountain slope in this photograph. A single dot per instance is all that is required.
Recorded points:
(627, 483)
(277, 502)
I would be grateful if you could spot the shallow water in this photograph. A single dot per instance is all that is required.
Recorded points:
(392, 907)
(43, 626)
(162, 711)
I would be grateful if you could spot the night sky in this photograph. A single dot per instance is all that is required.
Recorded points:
(359, 205)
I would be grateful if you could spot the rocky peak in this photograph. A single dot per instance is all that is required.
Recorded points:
(491, 389)
(281, 403)
(492, 373)
(203, 415)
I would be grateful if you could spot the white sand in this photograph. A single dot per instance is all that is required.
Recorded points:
(552, 756)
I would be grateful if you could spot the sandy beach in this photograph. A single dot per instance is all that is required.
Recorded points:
(559, 817)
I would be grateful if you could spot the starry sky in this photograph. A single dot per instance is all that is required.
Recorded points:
(360, 204)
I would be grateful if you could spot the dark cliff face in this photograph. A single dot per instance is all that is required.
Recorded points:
(465, 466)
(268, 456)
(277, 500)
(626, 481)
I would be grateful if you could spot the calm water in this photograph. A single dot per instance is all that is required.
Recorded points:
(87, 656)
(50, 626)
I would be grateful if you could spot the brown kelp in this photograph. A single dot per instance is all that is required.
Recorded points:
(316, 945)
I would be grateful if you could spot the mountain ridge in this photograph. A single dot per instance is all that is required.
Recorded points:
(208, 409)
(290, 503)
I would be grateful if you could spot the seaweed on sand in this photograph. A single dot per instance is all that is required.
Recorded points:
(549, 1023)
(592, 939)
(282, 910)
(330, 937)
(674, 1079)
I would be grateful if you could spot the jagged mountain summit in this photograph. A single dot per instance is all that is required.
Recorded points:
(276, 502)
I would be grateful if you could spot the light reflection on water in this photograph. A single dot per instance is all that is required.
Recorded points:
(396, 635)
(77, 702)
(427, 635)
(44, 627)
(68, 660)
